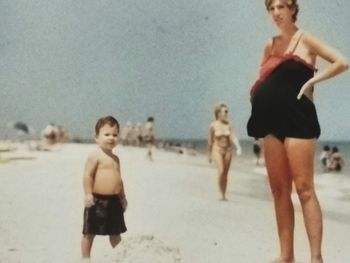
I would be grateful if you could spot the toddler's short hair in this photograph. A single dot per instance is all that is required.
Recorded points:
(110, 120)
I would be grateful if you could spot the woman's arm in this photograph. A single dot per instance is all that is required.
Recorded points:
(234, 140)
(338, 63)
(210, 141)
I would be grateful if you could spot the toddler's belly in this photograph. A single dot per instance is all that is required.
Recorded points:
(106, 185)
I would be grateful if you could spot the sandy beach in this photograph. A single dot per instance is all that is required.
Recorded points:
(174, 214)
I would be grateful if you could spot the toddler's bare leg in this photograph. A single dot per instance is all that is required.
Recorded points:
(115, 240)
(86, 244)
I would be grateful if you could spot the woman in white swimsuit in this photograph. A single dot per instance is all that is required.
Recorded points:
(221, 143)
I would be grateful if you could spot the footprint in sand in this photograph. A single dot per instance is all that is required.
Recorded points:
(146, 249)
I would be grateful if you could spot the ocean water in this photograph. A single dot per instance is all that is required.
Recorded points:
(247, 150)
(200, 146)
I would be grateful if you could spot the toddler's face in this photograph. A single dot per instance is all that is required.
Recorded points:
(108, 137)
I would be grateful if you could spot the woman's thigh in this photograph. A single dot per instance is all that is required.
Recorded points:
(227, 160)
(218, 160)
(277, 164)
(301, 154)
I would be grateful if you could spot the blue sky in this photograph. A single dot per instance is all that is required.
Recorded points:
(70, 62)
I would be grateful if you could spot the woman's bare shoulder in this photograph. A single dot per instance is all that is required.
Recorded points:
(213, 124)
(268, 49)
(309, 39)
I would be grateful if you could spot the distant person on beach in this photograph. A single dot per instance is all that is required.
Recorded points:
(221, 142)
(336, 161)
(148, 137)
(126, 133)
(284, 114)
(257, 149)
(138, 134)
(325, 157)
(62, 134)
(105, 200)
(50, 133)
(50, 136)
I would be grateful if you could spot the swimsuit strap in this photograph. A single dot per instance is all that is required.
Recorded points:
(292, 50)
(297, 42)
(272, 46)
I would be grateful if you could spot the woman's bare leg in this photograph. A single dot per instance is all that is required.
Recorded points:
(301, 159)
(227, 163)
(222, 180)
(281, 187)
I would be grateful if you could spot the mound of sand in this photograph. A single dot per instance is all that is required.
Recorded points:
(146, 249)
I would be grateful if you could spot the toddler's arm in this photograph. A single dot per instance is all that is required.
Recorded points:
(88, 179)
(121, 194)
(89, 200)
(122, 197)
(124, 203)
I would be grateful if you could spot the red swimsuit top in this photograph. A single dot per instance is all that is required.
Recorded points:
(272, 62)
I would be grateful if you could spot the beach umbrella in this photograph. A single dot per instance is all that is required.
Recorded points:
(21, 126)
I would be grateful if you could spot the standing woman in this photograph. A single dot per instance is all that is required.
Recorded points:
(284, 115)
(221, 143)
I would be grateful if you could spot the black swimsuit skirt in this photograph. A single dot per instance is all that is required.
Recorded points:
(276, 109)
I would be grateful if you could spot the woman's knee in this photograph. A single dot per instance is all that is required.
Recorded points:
(220, 168)
(223, 179)
(305, 193)
(225, 171)
(281, 191)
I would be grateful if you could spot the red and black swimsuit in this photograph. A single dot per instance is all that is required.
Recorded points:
(275, 107)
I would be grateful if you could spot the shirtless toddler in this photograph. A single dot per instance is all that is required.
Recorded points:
(104, 200)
